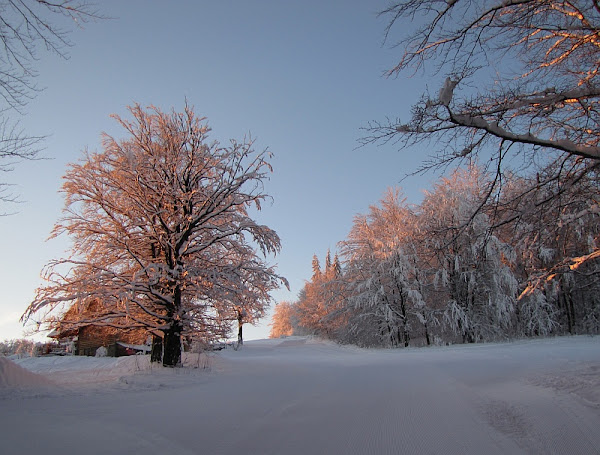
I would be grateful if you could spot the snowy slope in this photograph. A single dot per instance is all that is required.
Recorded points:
(304, 396)
(13, 376)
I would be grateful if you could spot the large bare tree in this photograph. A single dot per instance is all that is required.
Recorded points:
(521, 91)
(161, 232)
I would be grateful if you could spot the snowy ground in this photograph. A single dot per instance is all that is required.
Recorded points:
(303, 396)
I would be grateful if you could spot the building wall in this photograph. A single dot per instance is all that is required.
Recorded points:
(91, 338)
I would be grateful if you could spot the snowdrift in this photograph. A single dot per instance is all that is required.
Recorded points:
(15, 376)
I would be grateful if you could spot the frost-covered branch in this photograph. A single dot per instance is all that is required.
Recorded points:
(160, 230)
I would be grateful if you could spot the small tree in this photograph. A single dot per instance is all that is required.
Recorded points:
(282, 322)
(160, 229)
(383, 294)
(249, 300)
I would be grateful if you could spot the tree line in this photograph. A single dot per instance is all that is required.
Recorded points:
(450, 270)
(507, 246)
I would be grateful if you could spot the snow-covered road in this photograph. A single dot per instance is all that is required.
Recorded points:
(304, 396)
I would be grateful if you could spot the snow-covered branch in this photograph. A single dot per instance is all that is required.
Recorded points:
(160, 223)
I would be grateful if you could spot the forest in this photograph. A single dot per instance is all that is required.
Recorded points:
(450, 271)
(505, 244)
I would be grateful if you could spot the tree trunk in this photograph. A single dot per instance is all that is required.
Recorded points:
(571, 309)
(404, 320)
(240, 337)
(565, 299)
(156, 353)
(172, 345)
(390, 334)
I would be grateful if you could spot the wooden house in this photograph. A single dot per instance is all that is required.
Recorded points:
(85, 339)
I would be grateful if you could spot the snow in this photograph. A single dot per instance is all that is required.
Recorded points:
(447, 91)
(14, 376)
(301, 395)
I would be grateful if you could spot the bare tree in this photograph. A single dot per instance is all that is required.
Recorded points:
(15, 145)
(521, 87)
(26, 27)
(247, 298)
(160, 229)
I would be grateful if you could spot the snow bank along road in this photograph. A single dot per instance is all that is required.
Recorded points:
(302, 396)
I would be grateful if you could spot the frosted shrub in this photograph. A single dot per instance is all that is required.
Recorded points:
(538, 316)
(21, 347)
(591, 322)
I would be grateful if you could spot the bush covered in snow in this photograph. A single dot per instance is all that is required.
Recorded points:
(20, 347)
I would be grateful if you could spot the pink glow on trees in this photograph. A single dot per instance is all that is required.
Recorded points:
(161, 231)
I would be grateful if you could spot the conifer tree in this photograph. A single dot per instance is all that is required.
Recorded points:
(316, 267)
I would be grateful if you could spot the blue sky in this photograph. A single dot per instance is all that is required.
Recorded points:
(301, 77)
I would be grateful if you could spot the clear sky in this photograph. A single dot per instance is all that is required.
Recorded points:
(302, 77)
